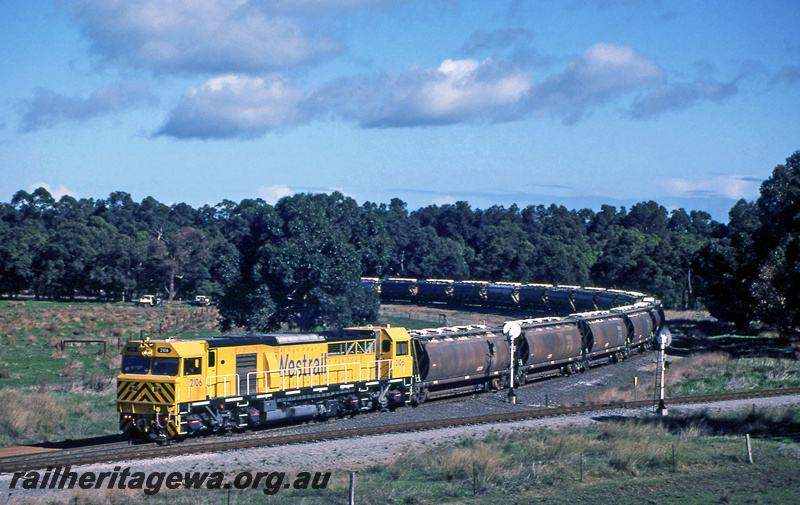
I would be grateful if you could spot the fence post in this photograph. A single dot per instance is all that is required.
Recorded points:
(749, 449)
(352, 488)
(674, 462)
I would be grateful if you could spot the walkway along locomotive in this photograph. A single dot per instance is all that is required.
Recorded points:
(174, 388)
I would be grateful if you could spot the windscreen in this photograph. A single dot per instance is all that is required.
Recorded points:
(165, 366)
(135, 365)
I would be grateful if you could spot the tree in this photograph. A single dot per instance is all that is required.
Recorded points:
(777, 284)
(726, 268)
(185, 262)
(313, 268)
(300, 263)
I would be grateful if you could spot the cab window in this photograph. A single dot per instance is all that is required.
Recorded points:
(402, 348)
(135, 365)
(191, 366)
(165, 366)
(386, 346)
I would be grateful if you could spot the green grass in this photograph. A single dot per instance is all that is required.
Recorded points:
(731, 375)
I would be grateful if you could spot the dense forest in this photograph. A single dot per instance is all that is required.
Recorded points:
(298, 262)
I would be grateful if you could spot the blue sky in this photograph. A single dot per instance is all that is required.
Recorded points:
(496, 102)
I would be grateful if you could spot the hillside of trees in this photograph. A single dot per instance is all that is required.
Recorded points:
(298, 263)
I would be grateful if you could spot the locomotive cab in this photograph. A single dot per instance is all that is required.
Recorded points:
(395, 353)
(156, 376)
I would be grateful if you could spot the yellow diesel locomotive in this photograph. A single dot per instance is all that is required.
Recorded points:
(173, 388)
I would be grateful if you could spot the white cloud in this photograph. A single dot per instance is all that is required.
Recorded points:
(728, 186)
(271, 194)
(456, 91)
(604, 72)
(312, 7)
(681, 96)
(56, 193)
(195, 36)
(236, 106)
(49, 108)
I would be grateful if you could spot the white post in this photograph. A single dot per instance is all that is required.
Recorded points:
(512, 330)
(512, 396)
(664, 339)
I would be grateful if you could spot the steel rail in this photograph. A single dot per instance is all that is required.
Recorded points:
(122, 451)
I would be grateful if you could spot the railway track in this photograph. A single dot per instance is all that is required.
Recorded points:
(121, 451)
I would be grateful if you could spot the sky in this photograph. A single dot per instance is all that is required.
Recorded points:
(580, 103)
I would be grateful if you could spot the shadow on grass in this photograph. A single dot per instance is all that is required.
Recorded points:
(704, 336)
(772, 424)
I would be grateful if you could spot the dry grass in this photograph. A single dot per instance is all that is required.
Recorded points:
(72, 369)
(699, 365)
(633, 447)
(454, 463)
(611, 396)
(542, 457)
(94, 321)
(689, 315)
(28, 414)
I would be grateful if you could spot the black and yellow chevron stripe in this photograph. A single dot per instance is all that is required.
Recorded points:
(146, 392)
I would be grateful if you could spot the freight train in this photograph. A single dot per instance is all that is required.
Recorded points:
(169, 389)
